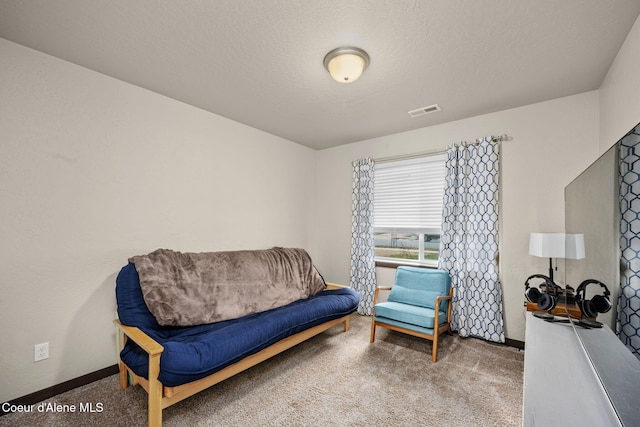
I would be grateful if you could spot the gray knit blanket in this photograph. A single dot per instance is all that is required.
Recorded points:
(186, 289)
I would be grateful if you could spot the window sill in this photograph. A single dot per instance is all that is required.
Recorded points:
(395, 264)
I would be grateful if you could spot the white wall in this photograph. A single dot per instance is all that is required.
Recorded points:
(92, 171)
(620, 92)
(552, 142)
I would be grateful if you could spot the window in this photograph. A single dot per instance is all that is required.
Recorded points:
(408, 209)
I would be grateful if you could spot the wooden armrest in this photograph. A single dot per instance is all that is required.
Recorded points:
(378, 289)
(153, 386)
(335, 286)
(442, 298)
(437, 304)
(147, 343)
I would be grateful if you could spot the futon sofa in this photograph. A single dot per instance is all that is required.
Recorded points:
(189, 321)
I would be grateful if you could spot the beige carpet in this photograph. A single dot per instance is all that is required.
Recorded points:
(334, 379)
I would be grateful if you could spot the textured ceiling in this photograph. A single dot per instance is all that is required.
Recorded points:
(259, 62)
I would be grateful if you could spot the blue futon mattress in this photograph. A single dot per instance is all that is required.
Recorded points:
(194, 352)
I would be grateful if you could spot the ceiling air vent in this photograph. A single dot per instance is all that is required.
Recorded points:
(424, 110)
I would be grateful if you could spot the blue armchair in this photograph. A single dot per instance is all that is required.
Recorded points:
(411, 305)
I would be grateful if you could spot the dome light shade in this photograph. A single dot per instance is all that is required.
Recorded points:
(346, 64)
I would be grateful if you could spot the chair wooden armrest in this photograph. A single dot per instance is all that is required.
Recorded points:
(443, 298)
(439, 299)
(378, 289)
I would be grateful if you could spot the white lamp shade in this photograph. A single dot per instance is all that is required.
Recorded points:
(547, 245)
(557, 245)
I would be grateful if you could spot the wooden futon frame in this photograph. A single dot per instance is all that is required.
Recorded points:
(161, 397)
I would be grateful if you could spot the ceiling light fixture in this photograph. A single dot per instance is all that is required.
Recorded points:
(346, 64)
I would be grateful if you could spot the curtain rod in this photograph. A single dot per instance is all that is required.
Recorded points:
(499, 138)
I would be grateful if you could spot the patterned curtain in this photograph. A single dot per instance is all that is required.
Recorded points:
(627, 323)
(363, 265)
(469, 239)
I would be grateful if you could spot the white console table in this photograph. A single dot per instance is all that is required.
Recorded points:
(561, 387)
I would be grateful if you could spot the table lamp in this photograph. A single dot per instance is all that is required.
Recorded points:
(556, 245)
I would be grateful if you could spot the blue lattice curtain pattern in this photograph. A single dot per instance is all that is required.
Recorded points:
(469, 239)
(363, 265)
(628, 315)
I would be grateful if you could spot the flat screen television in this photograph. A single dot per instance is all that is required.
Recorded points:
(592, 207)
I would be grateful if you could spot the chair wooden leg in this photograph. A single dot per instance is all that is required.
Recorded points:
(372, 338)
(346, 324)
(434, 354)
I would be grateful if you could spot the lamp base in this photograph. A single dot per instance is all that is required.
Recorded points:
(543, 315)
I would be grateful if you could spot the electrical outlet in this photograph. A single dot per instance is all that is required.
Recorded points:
(41, 352)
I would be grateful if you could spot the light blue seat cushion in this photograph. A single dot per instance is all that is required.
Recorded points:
(406, 313)
(384, 320)
(420, 287)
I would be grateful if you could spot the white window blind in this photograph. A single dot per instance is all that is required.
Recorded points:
(408, 195)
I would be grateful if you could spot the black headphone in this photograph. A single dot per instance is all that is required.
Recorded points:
(546, 300)
(597, 304)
